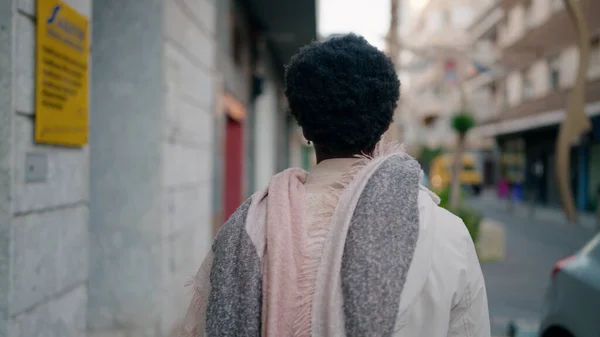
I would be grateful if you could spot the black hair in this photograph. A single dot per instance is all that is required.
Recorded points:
(343, 93)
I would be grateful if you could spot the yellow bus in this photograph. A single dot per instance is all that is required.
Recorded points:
(441, 173)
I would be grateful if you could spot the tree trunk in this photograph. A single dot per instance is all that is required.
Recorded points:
(456, 170)
(393, 48)
(576, 122)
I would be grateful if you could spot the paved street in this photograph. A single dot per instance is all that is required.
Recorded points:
(516, 285)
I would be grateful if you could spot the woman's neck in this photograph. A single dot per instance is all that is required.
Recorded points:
(327, 156)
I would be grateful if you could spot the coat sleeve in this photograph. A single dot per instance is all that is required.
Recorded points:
(470, 317)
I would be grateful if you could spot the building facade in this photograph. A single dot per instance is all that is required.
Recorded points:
(533, 45)
(186, 118)
(434, 68)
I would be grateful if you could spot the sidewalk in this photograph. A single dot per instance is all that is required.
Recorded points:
(517, 249)
(524, 210)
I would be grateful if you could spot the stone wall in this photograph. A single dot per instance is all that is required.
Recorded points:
(126, 169)
(7, 115)
(104, 245)
(47, 220)
(188, 141)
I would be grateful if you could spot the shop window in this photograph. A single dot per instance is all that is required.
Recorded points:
(554, 72)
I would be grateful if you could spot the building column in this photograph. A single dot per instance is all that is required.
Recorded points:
(265, 146)
(125, 280)
(6, 136)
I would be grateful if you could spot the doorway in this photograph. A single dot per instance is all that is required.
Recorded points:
(234, 163)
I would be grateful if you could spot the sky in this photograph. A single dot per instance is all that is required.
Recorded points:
(370, 18)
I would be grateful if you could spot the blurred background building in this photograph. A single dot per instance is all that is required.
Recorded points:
(187, 118)
(533, 46)
(516, 61)
(433, 70)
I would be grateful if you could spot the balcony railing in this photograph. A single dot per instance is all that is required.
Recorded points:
(553, 101)
(545, 38)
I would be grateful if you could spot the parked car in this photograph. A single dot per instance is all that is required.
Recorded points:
(572, 303)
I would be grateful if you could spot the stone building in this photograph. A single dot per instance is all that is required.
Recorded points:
(186, 118)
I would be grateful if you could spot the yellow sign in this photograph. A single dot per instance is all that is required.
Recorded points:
(61, 75)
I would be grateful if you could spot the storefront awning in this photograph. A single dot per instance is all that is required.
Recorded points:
(532, 122)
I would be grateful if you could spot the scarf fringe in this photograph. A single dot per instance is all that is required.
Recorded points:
(317, 235)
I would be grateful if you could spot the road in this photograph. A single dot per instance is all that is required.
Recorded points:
(516, 285)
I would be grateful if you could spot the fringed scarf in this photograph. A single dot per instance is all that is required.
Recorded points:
(269, 275)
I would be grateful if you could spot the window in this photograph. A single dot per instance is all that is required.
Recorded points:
(554, 72)
(594, 67)
(527, 84)
(529, 14)
(445, 18)
(462, 16)
(494, 37)
(434, 21)
(557, 5)
(494, 92)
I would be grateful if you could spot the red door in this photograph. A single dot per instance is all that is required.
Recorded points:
(234, 154)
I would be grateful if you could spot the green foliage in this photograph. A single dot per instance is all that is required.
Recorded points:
(427, 155)
(472, 220)
(470, 217)
(462, 122)
(445, 197)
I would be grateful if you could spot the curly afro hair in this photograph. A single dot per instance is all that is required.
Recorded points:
(343, 93)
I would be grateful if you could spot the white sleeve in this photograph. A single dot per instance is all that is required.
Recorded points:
(470, 317)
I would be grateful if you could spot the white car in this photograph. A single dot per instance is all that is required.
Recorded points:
(572, 303)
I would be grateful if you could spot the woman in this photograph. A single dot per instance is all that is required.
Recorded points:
(354, 248)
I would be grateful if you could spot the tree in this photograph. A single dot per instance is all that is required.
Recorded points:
(393, 46)
(576, 122)
(462, 122)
